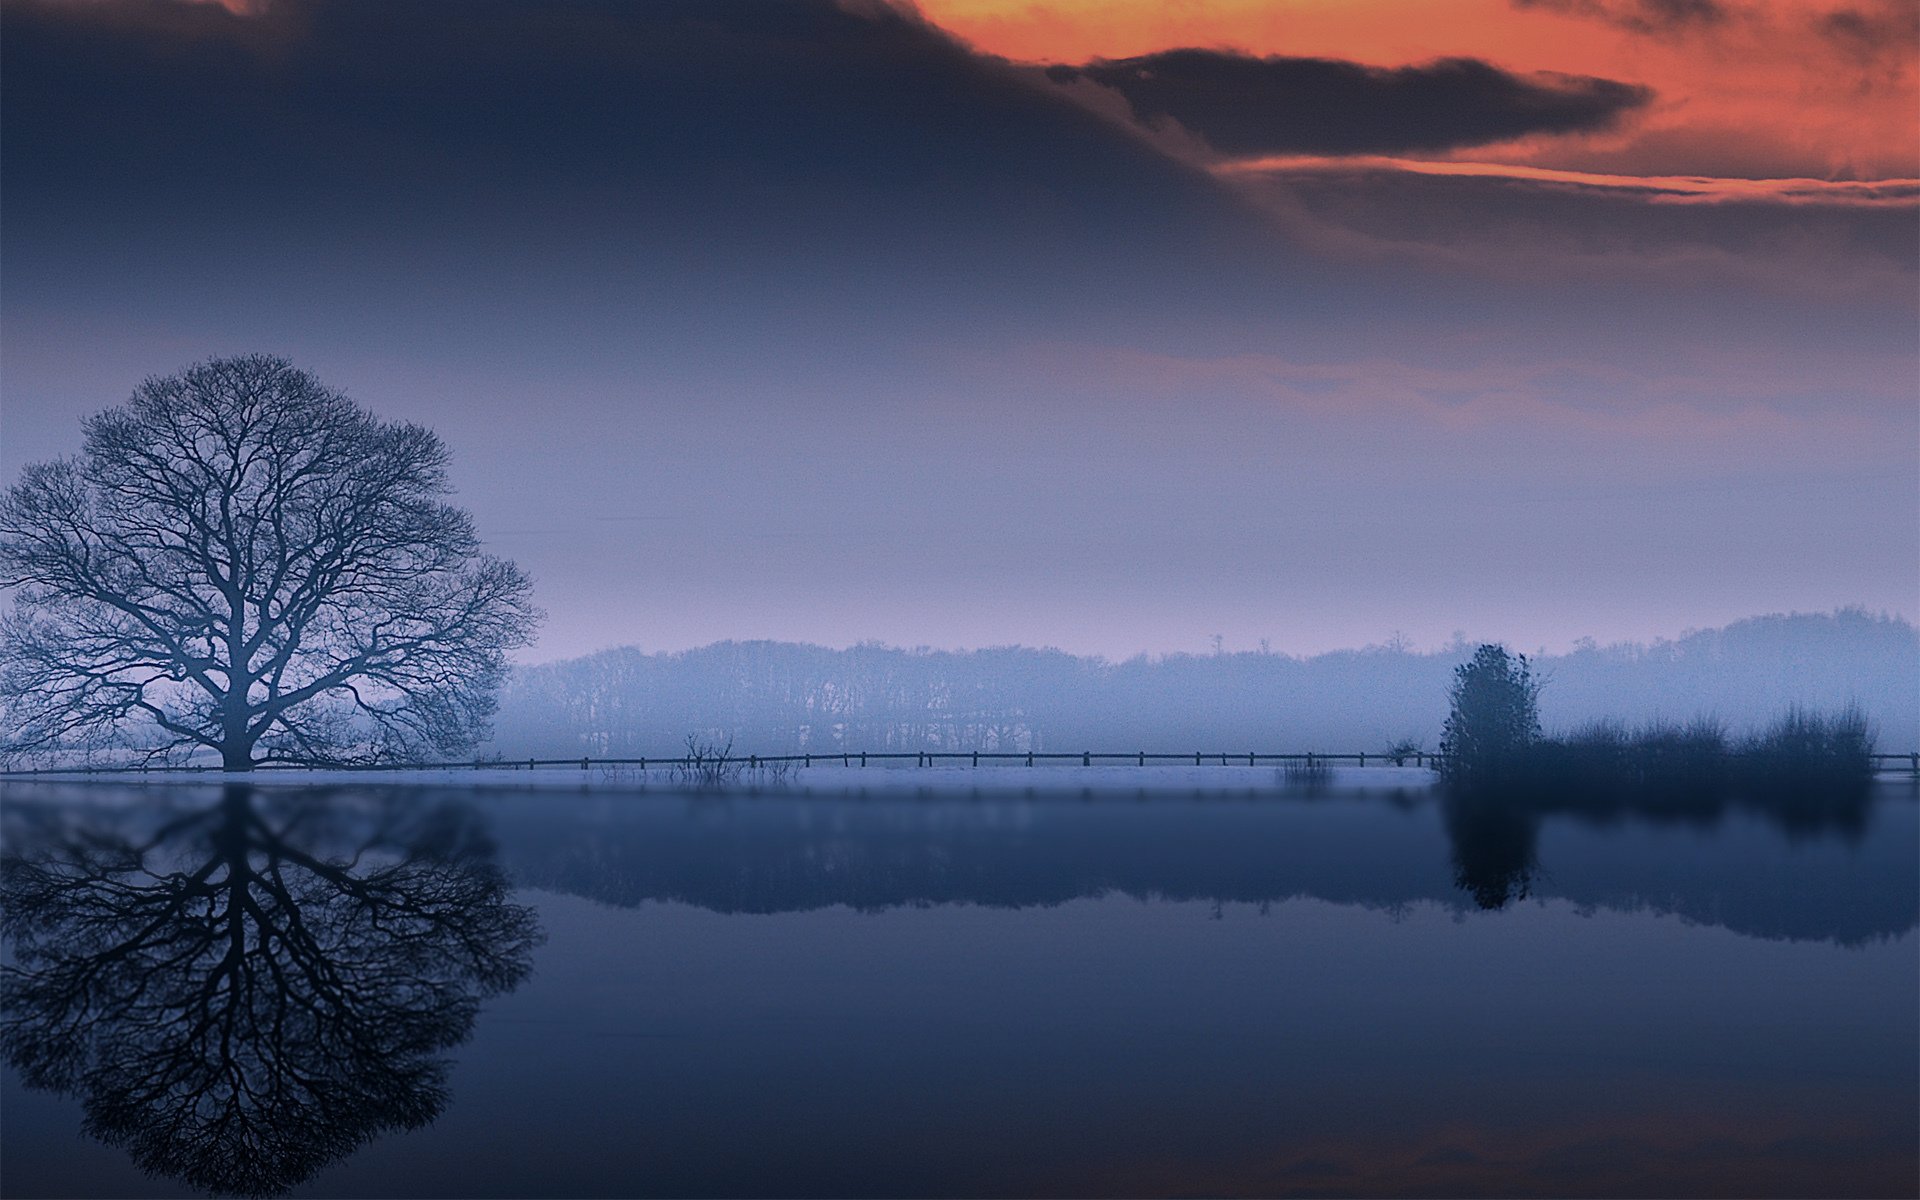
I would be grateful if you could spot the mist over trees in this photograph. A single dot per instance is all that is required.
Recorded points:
(776, 697)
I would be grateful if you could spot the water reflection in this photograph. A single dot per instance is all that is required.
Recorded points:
(1494, 843)
(242, 992)
(1494, 829)
(1810, 872)
(720, 1012)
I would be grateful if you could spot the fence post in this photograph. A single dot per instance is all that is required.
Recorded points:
(1363, 758)
(809, 761)
(1249, 758)
(976, 758)
(583, 762)
(863, 758)
(1196, 758)
(529, 764)
(1029, 758)
(1916, 764)
(1143, 758)
(1086, 758)
(753, 761)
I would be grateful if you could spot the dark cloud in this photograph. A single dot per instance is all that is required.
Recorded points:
(1241, 104)
(1640, 16)
(778, 156)
(1868, 33)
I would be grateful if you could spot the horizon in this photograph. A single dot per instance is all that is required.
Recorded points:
(1458, 643)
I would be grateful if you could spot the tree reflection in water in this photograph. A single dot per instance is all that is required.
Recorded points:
(1494, 838)
(244, 993)
(1493, 828)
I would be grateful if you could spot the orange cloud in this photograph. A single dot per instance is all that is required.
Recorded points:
(1821, 89)
(1670, 189)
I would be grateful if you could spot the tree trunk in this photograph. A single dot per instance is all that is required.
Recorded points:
(236, 748)
(237, 754)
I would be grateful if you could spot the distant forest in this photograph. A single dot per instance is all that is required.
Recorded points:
(783, 697)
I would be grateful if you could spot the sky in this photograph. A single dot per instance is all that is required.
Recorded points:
(1112, 326)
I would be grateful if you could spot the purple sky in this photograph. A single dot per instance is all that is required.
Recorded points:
(787, 321)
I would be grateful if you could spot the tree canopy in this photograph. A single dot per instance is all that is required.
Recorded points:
(1495, 715)
(244, 562)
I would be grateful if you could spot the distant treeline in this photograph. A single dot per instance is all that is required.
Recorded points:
(781, 697)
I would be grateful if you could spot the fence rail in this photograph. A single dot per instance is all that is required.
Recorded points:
(1909, 762)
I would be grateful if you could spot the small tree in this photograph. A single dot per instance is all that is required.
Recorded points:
(245, 562)
(1495, 716)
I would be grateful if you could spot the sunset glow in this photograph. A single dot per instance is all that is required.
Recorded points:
(866, 598)
(1765, 89)
(1659, 189)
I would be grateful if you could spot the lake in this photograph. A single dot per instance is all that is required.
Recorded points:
(372, 990)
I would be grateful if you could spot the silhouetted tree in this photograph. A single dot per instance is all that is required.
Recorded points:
(244, 561)
(249, 991)
(1495, 716)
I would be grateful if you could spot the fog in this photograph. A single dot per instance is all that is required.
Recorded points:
(782, 697)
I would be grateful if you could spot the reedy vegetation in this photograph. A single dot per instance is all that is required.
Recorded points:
(1493, 745)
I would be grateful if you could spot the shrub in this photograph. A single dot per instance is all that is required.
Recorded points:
(1308, 775)
(708, 764)
(1495, 717)
(1809, 769)
(1661, 768)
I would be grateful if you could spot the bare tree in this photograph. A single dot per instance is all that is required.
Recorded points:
(242, 560)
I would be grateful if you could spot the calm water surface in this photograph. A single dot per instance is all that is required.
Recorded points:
(387, 991)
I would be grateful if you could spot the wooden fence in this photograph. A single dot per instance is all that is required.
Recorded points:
(1882, 763)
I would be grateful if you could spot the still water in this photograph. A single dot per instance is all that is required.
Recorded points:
(367, 991)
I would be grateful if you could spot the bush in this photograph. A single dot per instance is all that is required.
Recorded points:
(1810, 769)
(708, 764)
(1807, 771)
(1308, 775)
(1810, 744)
(1662, 768)
(1495, 718)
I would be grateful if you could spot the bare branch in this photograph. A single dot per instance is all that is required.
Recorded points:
(246, 561)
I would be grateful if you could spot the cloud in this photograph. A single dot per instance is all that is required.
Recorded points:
(699, 147)
(1817, 240)
(1658, 189)
(1877, 31)
(1241, 104)
(1657, 17)
(703, 172)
